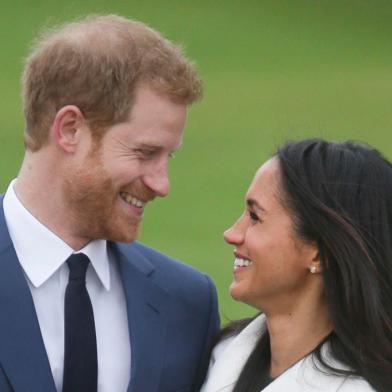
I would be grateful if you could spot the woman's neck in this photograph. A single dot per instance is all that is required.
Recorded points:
(295, 334)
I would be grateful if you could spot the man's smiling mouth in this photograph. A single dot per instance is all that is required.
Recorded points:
(128, 198)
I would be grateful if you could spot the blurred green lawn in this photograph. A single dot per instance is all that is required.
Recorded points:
(273, 70)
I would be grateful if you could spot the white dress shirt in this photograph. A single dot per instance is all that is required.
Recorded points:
(42, 255)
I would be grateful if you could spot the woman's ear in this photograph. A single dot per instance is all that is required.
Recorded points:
(315, 264)
(66, 124)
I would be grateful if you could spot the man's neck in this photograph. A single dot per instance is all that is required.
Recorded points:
(40, 193)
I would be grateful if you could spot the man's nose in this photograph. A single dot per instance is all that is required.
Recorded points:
(157, 180)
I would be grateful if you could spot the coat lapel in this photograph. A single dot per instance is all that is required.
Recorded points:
(147, 306)
(232, 355)
(22, 351)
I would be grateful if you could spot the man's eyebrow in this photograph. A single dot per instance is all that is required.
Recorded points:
(157, 147)
(150, 146)
(252, 203)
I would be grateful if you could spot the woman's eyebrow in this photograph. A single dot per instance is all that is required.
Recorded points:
(252, 203)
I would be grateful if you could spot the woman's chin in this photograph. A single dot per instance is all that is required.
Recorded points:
(237, 292)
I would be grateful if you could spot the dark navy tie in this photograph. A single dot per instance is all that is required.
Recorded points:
(80, 344)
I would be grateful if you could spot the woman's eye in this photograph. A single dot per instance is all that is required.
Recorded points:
(253, 216)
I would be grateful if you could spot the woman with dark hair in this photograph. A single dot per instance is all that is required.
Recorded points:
(313, 253)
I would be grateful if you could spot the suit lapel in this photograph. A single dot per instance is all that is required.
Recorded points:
(147, 308)
(22, 351)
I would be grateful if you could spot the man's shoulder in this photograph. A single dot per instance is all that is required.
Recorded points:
(165, 270)
(156, 258)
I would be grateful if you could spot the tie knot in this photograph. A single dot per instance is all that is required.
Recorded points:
(77, 264)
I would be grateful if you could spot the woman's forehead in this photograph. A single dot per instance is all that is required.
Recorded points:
(265, 184)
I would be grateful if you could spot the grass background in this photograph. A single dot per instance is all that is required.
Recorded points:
(273, 70)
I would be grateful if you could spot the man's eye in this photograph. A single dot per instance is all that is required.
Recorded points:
(253, 216)
(147, 153)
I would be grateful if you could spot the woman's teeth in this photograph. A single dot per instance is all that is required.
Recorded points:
(132, 200)
(242, 262)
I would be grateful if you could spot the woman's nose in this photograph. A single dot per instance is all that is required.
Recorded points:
(235, 234)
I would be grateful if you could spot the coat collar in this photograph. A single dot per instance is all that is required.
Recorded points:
(230, 356)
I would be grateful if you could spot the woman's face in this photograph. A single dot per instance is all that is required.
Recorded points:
(272, 264)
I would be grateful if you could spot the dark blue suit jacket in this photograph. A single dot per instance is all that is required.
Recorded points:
(172, 318)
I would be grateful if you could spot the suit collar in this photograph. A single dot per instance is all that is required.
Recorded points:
(147, 306)
(132, 256)
(22, 352)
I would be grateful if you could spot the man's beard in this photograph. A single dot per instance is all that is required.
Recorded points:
(92, 200)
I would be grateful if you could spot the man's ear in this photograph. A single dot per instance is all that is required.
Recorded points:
(66, 127)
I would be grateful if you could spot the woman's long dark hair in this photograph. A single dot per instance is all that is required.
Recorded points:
(340, 195)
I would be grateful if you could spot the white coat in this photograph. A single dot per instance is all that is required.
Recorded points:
(230, 355)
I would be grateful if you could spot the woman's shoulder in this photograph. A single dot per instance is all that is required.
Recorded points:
(308, 376)
(311, 374)
(354, 384)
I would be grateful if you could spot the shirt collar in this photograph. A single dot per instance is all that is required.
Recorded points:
(40, 251)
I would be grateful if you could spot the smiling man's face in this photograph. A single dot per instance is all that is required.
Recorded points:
(107, 192)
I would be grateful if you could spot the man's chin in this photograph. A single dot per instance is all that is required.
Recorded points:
(125, 236)
(124, 232)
